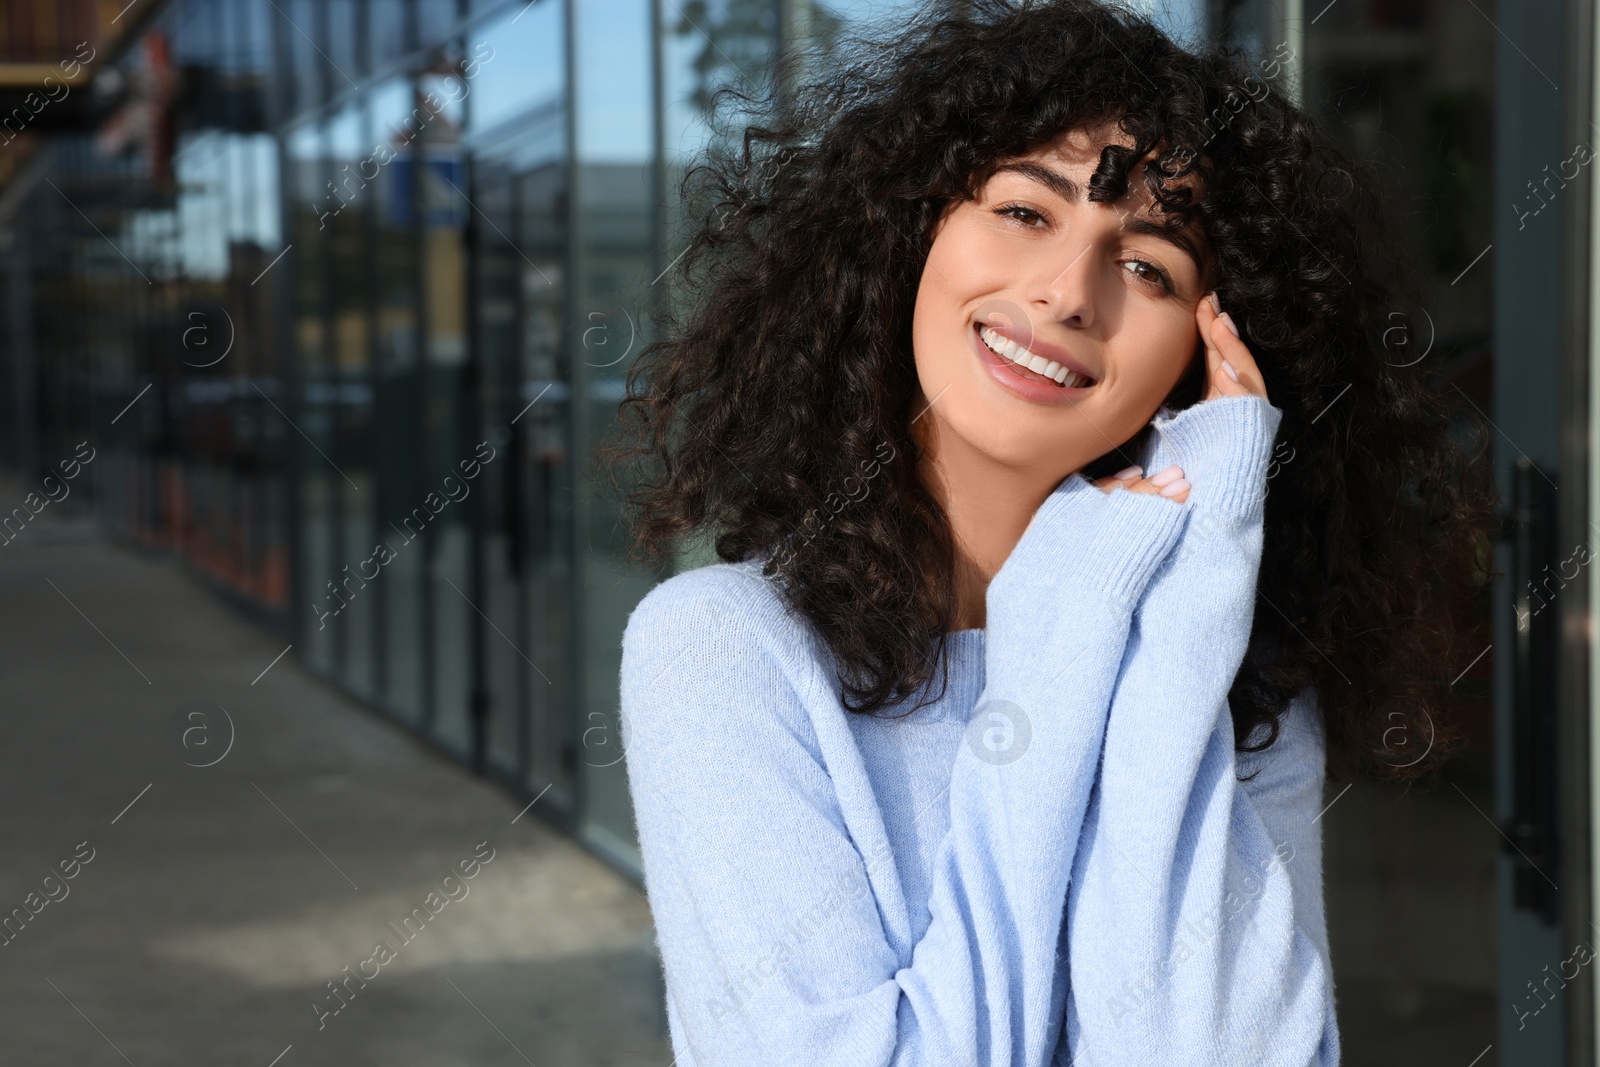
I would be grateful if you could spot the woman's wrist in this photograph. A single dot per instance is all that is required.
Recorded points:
(1224, 446)
(1086, 540)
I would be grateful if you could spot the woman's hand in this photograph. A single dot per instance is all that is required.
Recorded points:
(1230, 368)
(1230, 371)
(1169, 483)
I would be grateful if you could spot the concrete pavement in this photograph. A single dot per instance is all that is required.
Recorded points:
(225, 911)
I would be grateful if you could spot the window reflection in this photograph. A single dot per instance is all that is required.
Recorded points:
(397, 447)
(614, 259)
(517, 145)
(436, 19)
(343, 39)
(349, 386)
(1372, 77)
(439, 112)
(386, 32)
(309, 176)
(299, 27)
(201, 465)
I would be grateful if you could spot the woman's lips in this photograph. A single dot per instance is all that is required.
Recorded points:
(1022, 382)
(1034, 352)
(1033, 374)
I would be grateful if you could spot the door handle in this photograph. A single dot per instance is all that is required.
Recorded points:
(1533, 830)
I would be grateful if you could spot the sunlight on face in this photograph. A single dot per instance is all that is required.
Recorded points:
(1075, 284)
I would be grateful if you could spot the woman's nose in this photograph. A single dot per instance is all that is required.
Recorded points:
(1063, 286)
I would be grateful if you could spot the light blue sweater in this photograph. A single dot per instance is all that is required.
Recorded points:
(1053, 864)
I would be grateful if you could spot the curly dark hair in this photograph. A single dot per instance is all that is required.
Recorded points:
(786, 370)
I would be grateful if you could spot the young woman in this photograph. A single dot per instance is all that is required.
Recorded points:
(999, 734)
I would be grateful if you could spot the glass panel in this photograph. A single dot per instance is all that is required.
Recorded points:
(344, 36)
(250, 47)
(196, 467)
(516, 67)
(485, 7)
(614, 256)
(497, 281)
(357, 565)
(544, 455)
(442, 202)
(386, 32)
(261, 435)
(298, 26)
(308, 175)
(398, 450)
(254, 211)
(435, 20)
(198, 491)
(1411, 878)
(517, 142)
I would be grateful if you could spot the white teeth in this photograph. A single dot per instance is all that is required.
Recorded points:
(1038, 364)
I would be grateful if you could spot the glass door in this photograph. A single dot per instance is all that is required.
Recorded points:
(1457, 910)
(1413, 878)
(517, 142)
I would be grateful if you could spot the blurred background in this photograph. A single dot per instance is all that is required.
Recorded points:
(311, 317)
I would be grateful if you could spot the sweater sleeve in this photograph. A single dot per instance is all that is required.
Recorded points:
(1195, 928)
(772, 945)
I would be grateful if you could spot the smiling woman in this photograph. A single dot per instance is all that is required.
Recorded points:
(1014, 245)
(1025, 285)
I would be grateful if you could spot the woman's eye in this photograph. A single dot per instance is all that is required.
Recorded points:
(1026, 216)
(1156, 276)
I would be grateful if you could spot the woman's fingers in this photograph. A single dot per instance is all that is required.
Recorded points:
(1205, 314)
(1169, 483)
(1230, 367)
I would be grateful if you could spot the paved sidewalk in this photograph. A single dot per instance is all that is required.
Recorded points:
(217, 902)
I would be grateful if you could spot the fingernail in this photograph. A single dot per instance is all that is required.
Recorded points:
(1167, 475)
(1229, 368)
(1127, 472)
(1176, 488)
(1227, 320)
(1216, 305)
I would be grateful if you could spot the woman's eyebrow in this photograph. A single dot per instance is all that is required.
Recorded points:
(1071, 192)
(1055, 181)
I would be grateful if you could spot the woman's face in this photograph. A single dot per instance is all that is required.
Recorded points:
(1033, 265)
